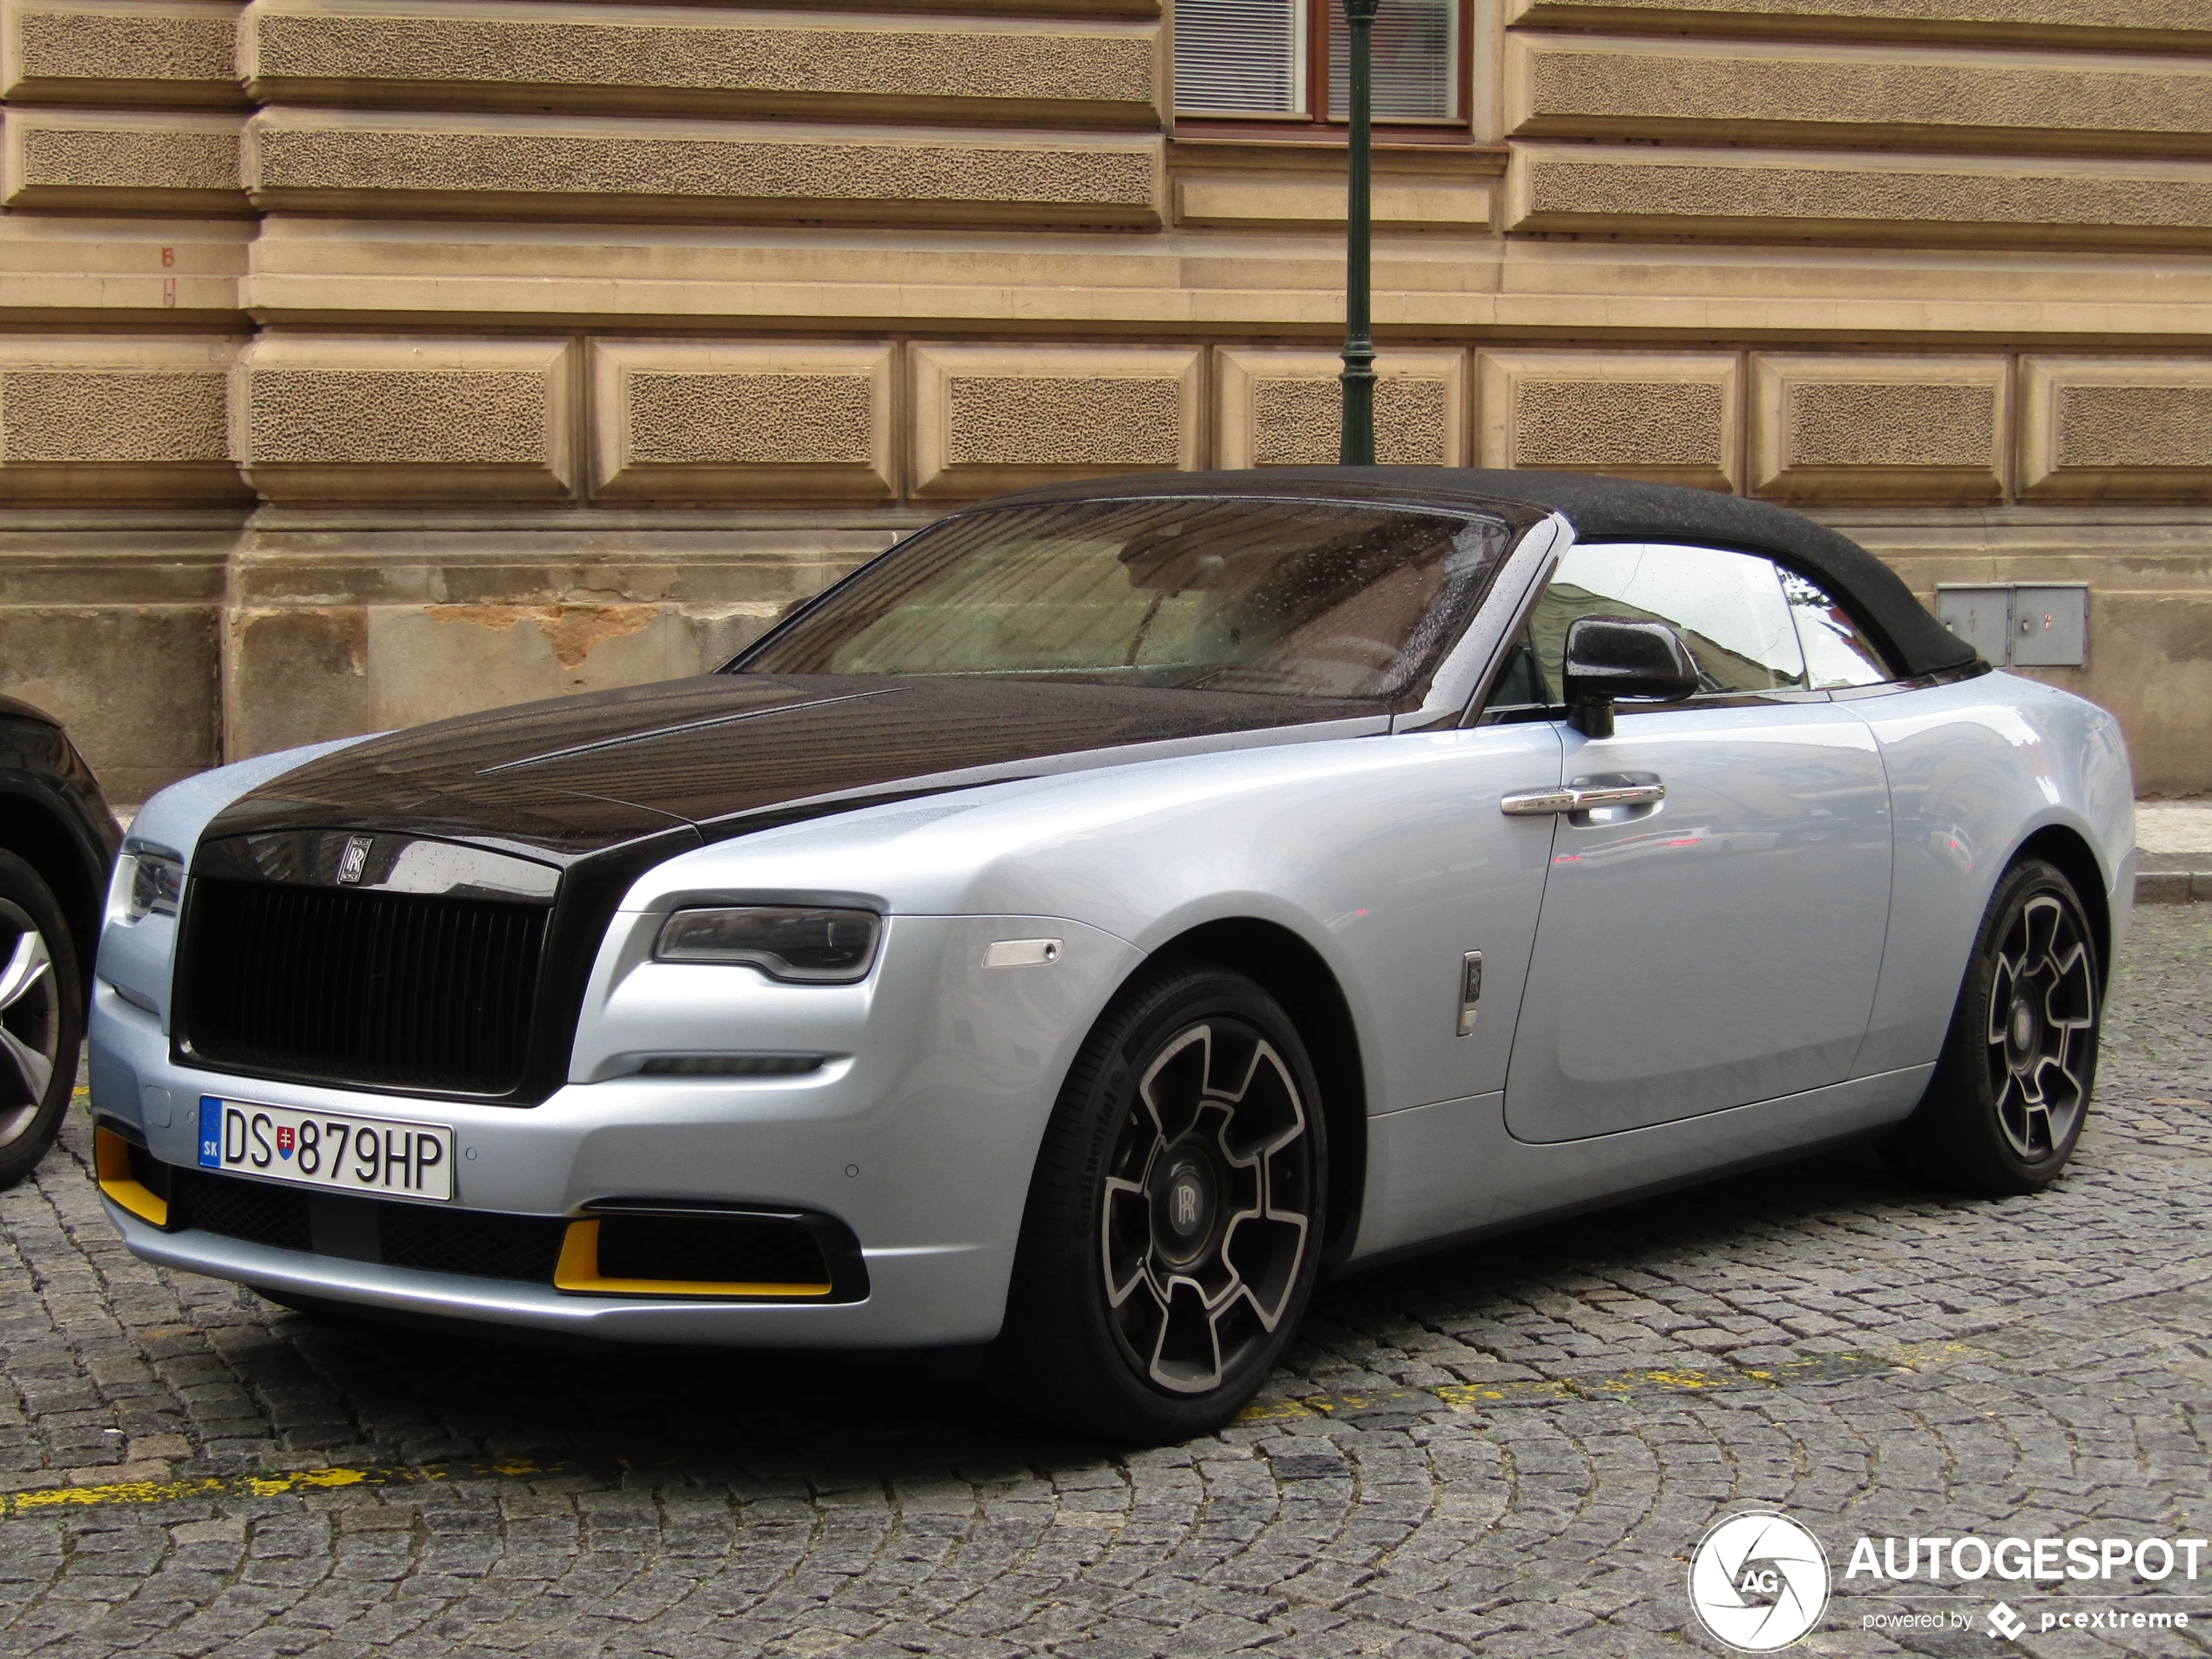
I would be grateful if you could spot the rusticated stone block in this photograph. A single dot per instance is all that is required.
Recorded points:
(1298, 422)
(137, 685)
(158, 162)
(1875, 430)
(1283, 408)
(340, 420)
(1668, 416)
(166, 51)
(416, 165)
(293, 676)
(987, 419)
(960, 69)
(1000, 419)
(432, 662)
(1573, 86)
(2114, 429)
(114, 419)
(711, 421)
(2150, 22)
(111, 415)
(1737, 193)
(453, 417)
(359, 620)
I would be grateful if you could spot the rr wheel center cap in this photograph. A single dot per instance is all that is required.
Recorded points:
(1185, 1197)
(2021, 1032)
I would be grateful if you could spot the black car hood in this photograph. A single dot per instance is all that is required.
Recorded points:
(720, 754)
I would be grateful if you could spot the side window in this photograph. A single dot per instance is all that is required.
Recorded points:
(1242, 57)
(1290, 60)
(1728, 607)
(1837, 651)
(1519, 683)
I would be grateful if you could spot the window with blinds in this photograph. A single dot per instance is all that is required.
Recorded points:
(1416, 58)
(1240, 56)
(1271, 58)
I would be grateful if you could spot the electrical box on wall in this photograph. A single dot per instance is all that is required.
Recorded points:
(2020, 624)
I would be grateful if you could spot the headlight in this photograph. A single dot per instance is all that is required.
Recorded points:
(810, 947)
(148, 882)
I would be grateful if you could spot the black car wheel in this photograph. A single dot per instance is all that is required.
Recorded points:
(2012, 1090)
(1174, 1225)
(42, 1018)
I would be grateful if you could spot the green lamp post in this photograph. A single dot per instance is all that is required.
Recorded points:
(1357, 448)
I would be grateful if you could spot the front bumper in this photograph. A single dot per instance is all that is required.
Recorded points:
(922, 1141)
(925, 1298)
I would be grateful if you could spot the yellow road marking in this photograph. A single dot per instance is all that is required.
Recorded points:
(261, 1485)
(1915, 1356)
(1827, 1368)
(120, 1492)
(1467, 1396)
(1912, 1356)
(1673, 1381)
(1274, 1411)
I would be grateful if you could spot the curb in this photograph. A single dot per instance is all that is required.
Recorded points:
(2174, 887)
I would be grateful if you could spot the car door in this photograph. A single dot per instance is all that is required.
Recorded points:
(1722, 945)
(1433, 899)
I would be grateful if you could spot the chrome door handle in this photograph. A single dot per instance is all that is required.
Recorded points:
(1538, 803)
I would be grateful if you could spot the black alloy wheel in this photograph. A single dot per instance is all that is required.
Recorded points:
(42, 1018)
(1175, 1221)
(2012, 1090)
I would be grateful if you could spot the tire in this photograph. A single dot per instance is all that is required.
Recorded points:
(2010, 1091)
(42, 1018)
(1175, 1221)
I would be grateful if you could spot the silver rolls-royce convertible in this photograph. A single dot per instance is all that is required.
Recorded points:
(1108, 909)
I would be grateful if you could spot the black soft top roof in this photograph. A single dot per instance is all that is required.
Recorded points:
(1599, 508)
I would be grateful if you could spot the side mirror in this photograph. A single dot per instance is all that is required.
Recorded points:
(1611, 659)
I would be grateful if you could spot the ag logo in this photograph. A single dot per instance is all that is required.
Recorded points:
(1758, 1582)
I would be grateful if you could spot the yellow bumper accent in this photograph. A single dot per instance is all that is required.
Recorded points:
(579, 1270)
(113, 1154)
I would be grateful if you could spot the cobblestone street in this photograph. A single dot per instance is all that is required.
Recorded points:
(1506, 1449)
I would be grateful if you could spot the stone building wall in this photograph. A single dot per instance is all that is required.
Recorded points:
(367, 362)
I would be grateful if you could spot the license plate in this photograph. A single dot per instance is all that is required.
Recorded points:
(332, 1150)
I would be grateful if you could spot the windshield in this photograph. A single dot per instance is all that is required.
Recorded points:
(1296, 598)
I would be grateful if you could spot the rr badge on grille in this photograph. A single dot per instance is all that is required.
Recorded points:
(353, 859)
